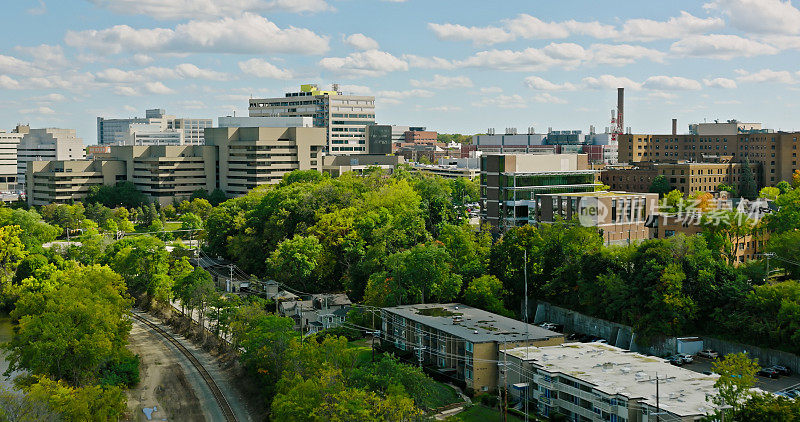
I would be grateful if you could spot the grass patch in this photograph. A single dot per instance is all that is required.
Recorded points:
(441, 395)
(437, 312)
(481, 414)
(172, 225)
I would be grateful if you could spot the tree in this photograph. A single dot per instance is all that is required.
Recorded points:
(192, 222)
(783, 186)
(660, 185)
(737, 375)
(68, 217)
(486, 292)
(673, 201)
(123, 194)
(12, 251)
(748, 188)
(195, 290)
(769, 193)
(198, 206)
(19, 407)
(786, 246)
(295, 261)
(217, 197)
(74, 404)
(34, 232)
(701, 201)
(732, 191)
(59, 339)
(768, 407)
(143, 262)
(787, 216)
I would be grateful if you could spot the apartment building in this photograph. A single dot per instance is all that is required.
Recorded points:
(253, 156)
(344, 117)
(421, 137)
(593, 382)
(9, 142)
(457, 340)
(620, 217)
(47, 145)
(122, 131)
(685, 176)
(510, 184)
(776, 152)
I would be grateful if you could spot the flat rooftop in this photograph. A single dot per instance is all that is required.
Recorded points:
(472, 324)
(616, 371)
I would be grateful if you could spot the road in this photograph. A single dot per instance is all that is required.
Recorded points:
(173, 385)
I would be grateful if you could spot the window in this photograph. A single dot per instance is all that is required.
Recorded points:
(468, 374)
(468, 346)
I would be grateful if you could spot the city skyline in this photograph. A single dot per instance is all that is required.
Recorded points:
(515, 65)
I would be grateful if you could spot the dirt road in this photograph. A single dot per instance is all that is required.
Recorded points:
(171, 385)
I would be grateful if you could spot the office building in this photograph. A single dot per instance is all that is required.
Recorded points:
(685, 176)
(599, 147)
(244, 121)
(620, 217)
(421, 137)
(510, 184)
(459, 341)
(253, 156)
(776, 152)
(47, 145)
(9, 142)
(164, 173)
(596, 382)
(446, 171)
(344, 117)
(93, 150)
(121, 131)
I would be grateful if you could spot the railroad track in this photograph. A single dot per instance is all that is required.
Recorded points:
(212, 385)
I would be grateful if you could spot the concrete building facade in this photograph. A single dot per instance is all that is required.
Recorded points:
(344, 117)
(253, 156)
(119, 131)
(9, 172)
(685, 176)
(457, 340)
(47, 145)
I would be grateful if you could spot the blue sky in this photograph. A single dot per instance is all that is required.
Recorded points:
(452, 65)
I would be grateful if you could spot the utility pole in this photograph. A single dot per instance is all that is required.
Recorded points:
(505, 382)
(767, 255)
(373, 334)
(230, 280)
(658, 405)
(722, 409)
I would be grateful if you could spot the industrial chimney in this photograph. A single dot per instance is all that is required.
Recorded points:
(620, 107)
(674, 126)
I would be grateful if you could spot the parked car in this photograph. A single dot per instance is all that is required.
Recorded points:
(782, 369)
(675, 360)
(708, 353)
(768, 373)
(601, 341)
(686, 357)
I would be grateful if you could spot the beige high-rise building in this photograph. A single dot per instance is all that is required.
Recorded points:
(253, 156)
(46, 145)
(344, 117)
(9, 142)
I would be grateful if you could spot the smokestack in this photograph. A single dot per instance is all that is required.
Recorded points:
(674, 126)
(620, 107)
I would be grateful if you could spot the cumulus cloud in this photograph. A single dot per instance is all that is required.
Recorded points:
(548, 98)
(486, 35)
(397, 97)
(759, 16)
(720, 83)
(158, 88)
(604, 82)
(14, 66)
(767, 75)
(44, 54)
(718, 46)
(181, 71)
(361, 42)
(246, 34)
(49, 98)
(671, 83)
(502, 101)
(7, 82)
(415, 61)
(263, 69)
(491, 90)
(541, 84)
(444, 82)
(177, 9)
(38, 110)
(623, 54)
(531, 27)
(364, 63)
(675, 27)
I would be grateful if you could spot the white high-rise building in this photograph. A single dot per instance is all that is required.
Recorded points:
(47, 145)
(345, 117)
(8, 157)
(153, 134)
(118, 131)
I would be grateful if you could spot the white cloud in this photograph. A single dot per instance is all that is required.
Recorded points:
(530, 27)
(676, 27)
(604, 82)
(364, 63)
(760, 16)
(428, 62)
(7, 82)
(44, 54)
(397, 97)
(54, 97)
(141, 59)
(38, 110)
(670, 83)
(486, 35)
(361, 42)
(14, 66)
(444, 82)
(541, 84)
(592, 29)
(720, 83)
(718, 46)
(40, 10)
(126, 91)
(623, 54)
(444, 109)
(247, 34)
(178, 9)
(767, 75)
(158, 88)
(548, 98)
(181, 71)
(356, 89)
(491, 90)
(502, 101)
(263, 69)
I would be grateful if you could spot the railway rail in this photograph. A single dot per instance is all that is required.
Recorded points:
(227, 411)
